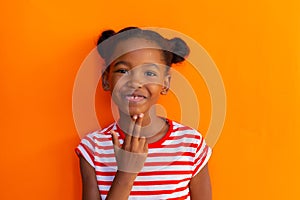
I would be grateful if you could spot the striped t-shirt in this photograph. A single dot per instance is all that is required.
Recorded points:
(171, 162)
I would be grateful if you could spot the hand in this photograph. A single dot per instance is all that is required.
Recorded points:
(132, 154)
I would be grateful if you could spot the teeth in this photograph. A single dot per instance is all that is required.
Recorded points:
(134, 97)
(130, 97)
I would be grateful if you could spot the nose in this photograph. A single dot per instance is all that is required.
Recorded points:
(135, 79)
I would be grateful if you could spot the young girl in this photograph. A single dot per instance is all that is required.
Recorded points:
(142, 155)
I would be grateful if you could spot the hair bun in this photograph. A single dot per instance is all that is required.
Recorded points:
(105, 35)
(179, 49)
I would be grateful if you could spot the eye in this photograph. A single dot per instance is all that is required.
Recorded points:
(122, 71)
(149, 73)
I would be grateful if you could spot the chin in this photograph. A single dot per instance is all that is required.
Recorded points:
(133, 111)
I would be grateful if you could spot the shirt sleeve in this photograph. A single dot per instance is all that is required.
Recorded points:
(203, 153)
(86, 149)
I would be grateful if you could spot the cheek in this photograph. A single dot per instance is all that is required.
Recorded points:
(117, 82)
(154, 80)
(155, 89)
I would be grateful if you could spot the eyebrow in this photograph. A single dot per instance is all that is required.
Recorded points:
(121, 63)
(129, 65)
(151, 64)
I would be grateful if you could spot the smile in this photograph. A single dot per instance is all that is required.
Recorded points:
(135, 98)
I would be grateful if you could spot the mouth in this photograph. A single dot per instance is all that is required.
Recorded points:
(135, 98)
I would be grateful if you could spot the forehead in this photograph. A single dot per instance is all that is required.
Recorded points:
(132, 45)
(142, 56)
(138, 51)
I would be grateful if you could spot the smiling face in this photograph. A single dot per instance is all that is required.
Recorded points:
(137, 79)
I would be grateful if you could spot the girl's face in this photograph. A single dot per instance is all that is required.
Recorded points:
(136, 79)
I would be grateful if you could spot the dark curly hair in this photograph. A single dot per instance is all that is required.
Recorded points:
(174, 50)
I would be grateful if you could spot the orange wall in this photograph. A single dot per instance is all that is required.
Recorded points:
(255, 44)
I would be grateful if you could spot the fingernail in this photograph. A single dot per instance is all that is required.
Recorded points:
(141, 115)
(134, 117)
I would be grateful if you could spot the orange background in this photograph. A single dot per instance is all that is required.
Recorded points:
(255, 44)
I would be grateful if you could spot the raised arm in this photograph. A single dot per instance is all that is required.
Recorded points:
(130, 159)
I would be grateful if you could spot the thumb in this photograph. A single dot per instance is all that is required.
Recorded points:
(115, 138)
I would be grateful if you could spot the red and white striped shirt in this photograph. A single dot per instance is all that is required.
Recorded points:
(168, 169)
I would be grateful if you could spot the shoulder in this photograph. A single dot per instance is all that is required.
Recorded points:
(190, 135)
(93, 140)
(180, 129)
(98, 135)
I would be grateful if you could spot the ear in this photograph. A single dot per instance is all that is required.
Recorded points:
(166, 84)
(105, 81)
